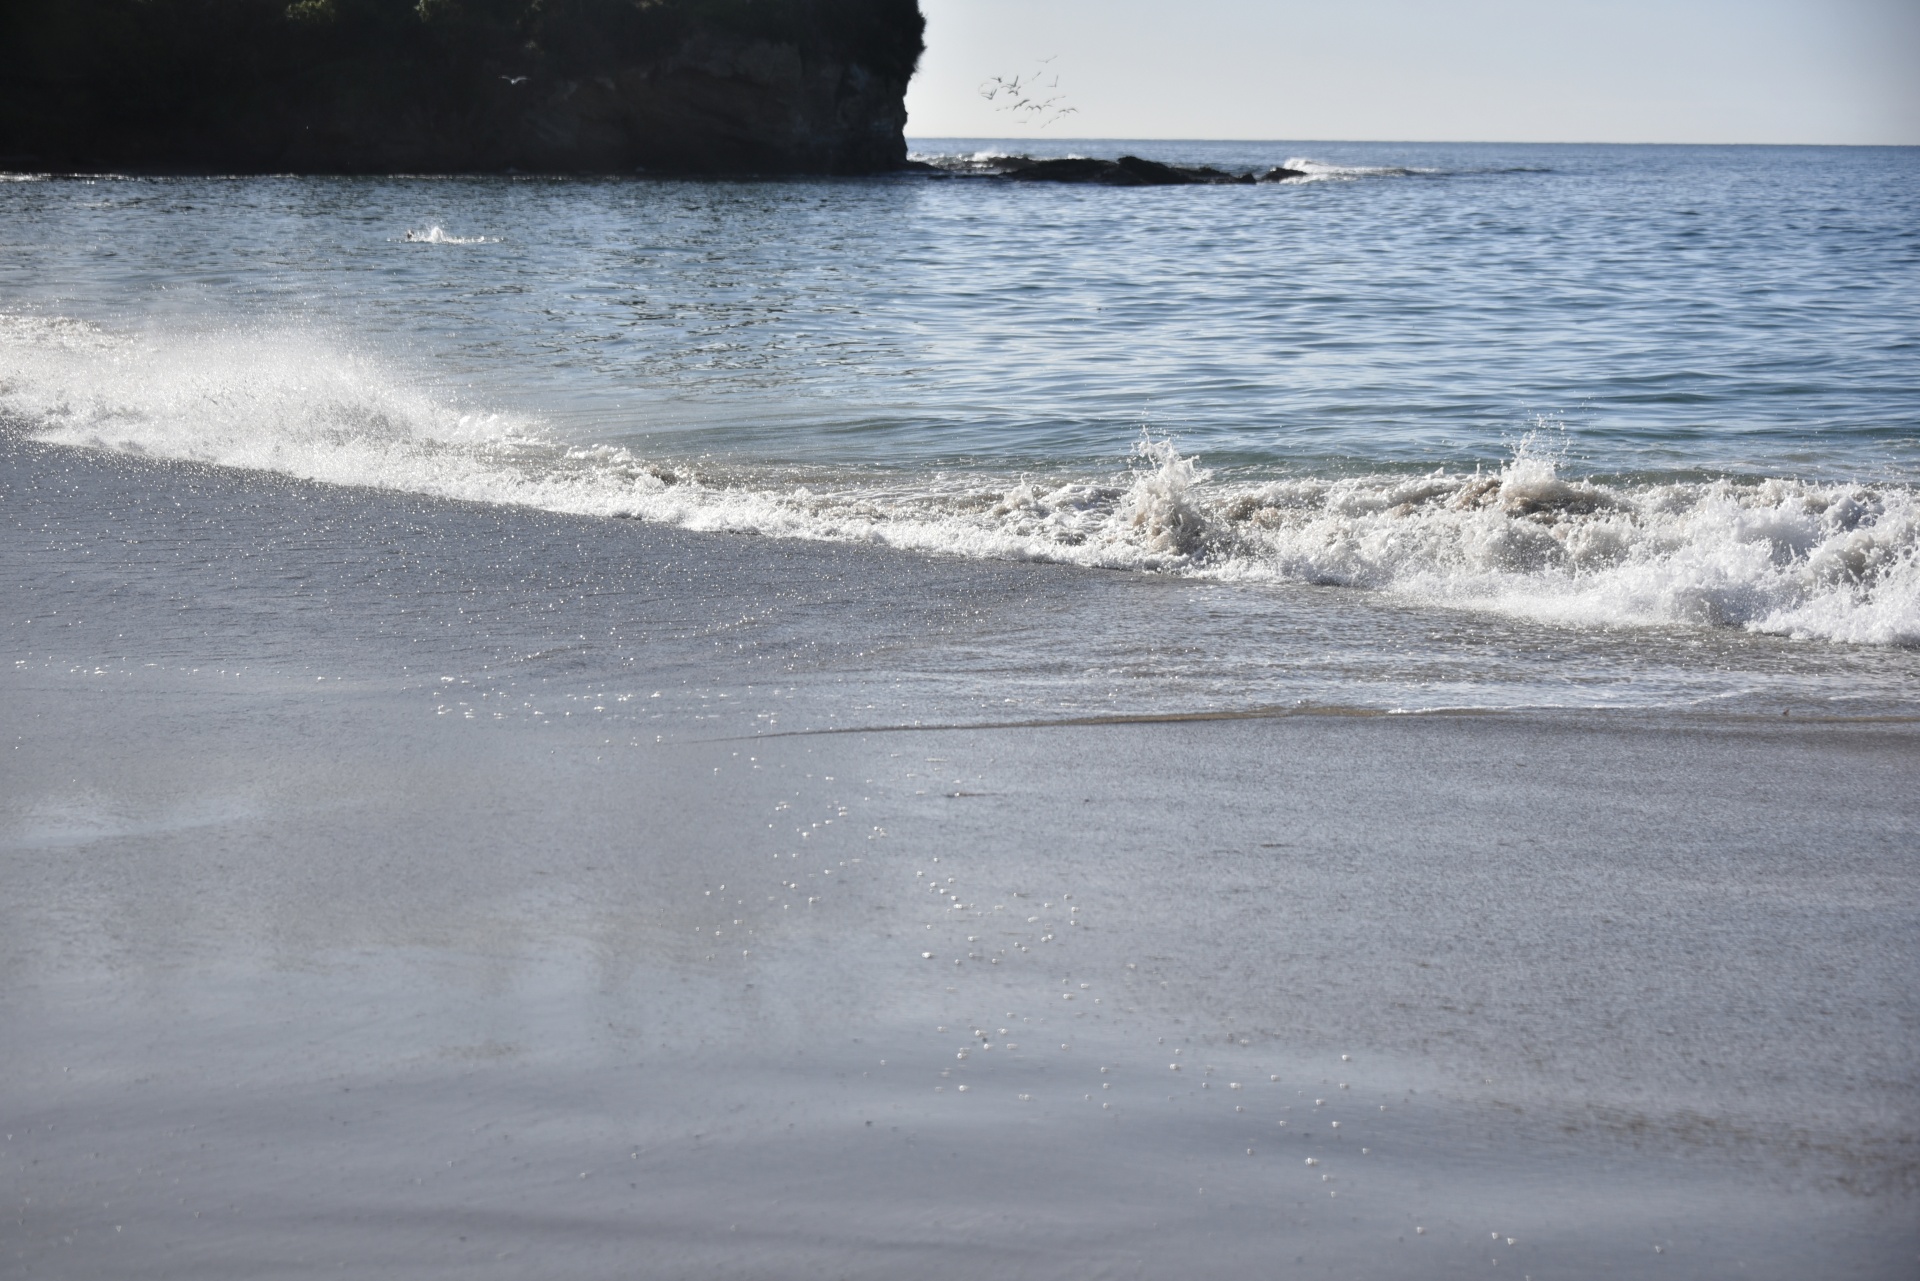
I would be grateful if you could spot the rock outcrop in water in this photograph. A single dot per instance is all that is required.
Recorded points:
(1129, 171)
(386, 86)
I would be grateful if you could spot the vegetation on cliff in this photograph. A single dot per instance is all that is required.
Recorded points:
(380, 85)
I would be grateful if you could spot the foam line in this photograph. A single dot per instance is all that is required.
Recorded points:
(1816, 561)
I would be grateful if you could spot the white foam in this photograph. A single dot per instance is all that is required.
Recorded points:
(1791, 557)
(1321, 171)
(435, 236)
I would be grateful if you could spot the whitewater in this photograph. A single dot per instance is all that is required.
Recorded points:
(1794, 558)
(1629, 397)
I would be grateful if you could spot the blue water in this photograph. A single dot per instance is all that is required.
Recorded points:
(1591, 386)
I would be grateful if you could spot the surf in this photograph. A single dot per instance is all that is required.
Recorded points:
(1812, 561)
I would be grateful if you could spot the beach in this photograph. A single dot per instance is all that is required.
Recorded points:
(406, 887)
(1362, 724)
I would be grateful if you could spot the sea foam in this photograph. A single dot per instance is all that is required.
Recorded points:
(435, 235)
(1324, 171)
(1835, 562)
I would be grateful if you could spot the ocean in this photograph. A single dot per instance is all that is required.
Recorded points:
(1618, 404)
(1362, 725)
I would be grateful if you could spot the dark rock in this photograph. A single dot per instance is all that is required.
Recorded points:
(1071, 170)
(533, 86)
(1280, 173)
(1127, 171)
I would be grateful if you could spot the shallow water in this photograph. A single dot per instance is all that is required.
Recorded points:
(1599, 390)
(406, 888)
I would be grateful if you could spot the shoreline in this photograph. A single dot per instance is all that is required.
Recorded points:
(1465, 651)
(355, 920)
(1661, 716)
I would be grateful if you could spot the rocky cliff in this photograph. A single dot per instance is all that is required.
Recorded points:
(422, 86)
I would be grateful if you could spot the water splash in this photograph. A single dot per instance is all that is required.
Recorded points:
(435, 236)
(1795, 558)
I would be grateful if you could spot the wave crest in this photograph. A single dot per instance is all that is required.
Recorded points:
(1779, 556)
(1783, 556)
(434, 235)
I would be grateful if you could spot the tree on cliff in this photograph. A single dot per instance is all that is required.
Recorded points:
(379, 85)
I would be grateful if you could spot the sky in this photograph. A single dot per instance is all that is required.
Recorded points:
(1705, 71)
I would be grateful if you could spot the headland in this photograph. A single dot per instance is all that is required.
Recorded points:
(457, 86)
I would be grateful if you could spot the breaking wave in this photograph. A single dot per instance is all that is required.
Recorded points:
(435, 236)
(1791, 557)
(1321, 171)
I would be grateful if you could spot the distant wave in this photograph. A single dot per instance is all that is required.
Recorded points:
(1322, 171)
(1790, 557)
(435, 236)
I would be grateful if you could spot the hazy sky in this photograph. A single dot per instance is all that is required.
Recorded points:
(1836, 71)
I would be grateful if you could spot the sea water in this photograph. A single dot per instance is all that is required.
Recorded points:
(1652, 414)
(420, 593)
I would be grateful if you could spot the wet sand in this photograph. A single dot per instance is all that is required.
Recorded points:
(367, 912)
